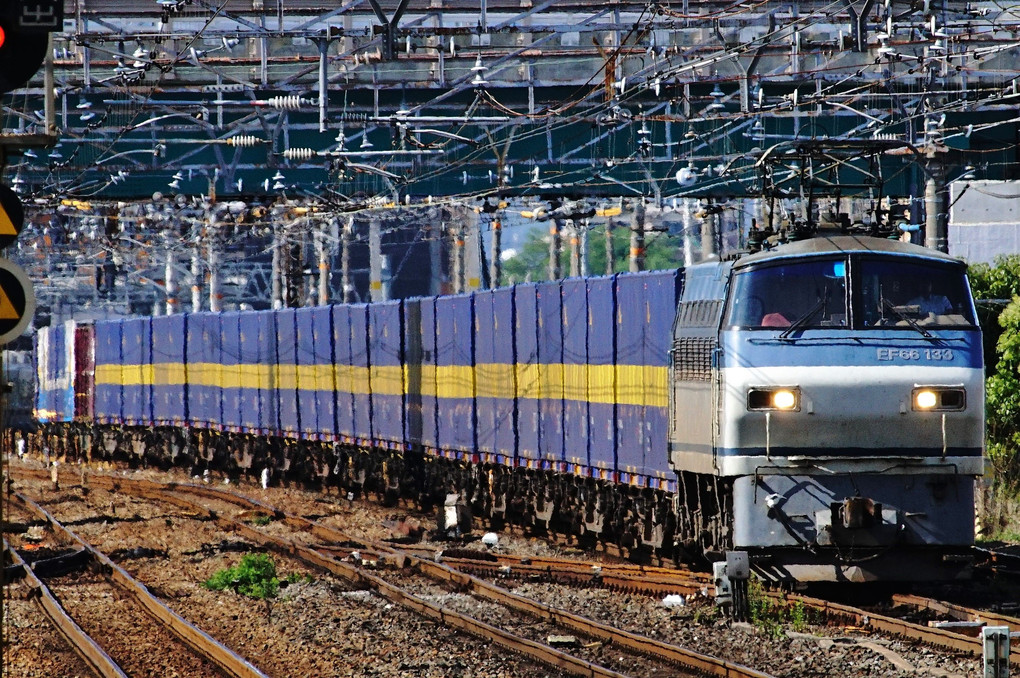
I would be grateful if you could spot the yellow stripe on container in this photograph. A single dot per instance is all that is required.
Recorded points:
(455, 381)
(602, 384)
(624, 384)
(360, 380)
(108, 374)
(136, 375)
(528, 383)
(630, 389)
(656, 385)
(286, 377)
(428, 381)
(494, 380)
(575, 382)
(169, 374)
(551, 377)
(387, 380)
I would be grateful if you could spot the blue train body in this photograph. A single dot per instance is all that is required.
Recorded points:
(780, 403)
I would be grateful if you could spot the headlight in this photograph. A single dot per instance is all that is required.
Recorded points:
(774, 398)
(938, 399)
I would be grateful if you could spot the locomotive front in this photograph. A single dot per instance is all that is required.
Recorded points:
(848, 387)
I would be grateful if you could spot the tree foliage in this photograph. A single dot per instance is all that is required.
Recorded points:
(997, 290)
(1001, 281)
(1003, 398)
(531, 263)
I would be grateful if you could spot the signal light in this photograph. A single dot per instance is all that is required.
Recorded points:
(24, 40)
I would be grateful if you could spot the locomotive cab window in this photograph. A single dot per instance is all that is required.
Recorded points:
(798, 295)
(893, 293)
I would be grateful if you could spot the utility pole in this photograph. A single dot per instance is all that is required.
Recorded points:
(458, 258)
(345, 260)
(555, 245)
(473, 253)
(171, 282)
(575, 250)
(495, 264)
(294, 270)
(170, 237)
(215, 292)
(436, 231)
(637, 238)
(323, 255)
(707, 233)
(581, 228)
(688, 225)
(375, 259)
(610, 252)
(196, 266)
(277, 278)
(932, 208)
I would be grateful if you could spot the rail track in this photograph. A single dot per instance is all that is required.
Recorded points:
(1001, 563)
(654, 581)
(147, 614)
(193, 510)
(88, 649)
(373, 564)
(360, 574)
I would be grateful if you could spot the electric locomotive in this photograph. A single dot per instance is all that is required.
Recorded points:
(826, 409)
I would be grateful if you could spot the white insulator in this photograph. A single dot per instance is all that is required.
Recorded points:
(244, 141)
(299, 154)
(290, 102)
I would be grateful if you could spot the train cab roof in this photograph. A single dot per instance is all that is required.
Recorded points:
(844, 244)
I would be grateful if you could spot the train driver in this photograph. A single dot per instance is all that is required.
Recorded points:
(931, 303)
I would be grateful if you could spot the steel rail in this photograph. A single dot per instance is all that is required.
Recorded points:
(537, 651)
(633, 579)
(672, 654)
(1005, 564)
(890, 625)
(957, 611)
(440, 572)
(668, 580)
(198, 640)
(836, 611)
(82, 643)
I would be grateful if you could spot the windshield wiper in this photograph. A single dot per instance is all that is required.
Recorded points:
(801, 321)
(904, 317)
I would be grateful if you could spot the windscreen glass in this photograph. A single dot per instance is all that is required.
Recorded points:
(897, 294)
(803, 294)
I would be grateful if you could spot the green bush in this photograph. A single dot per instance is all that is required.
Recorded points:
(997, 291)
(764, 614)
(254, 577)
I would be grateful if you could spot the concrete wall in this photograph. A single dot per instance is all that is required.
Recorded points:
(984, 220)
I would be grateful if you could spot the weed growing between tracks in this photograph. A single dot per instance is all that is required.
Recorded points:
(254, 576)
(772, 618)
